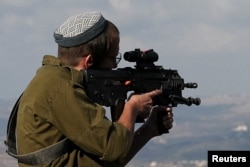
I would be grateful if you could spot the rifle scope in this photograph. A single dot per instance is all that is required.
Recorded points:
(137, 55)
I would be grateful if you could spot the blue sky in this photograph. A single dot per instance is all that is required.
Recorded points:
(206, 41)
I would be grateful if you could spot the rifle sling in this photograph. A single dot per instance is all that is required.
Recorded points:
(42, 156)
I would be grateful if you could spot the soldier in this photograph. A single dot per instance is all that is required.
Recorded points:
(55, 108)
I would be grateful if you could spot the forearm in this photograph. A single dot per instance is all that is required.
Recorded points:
(141, 137)
(127, 119)
(138, 140)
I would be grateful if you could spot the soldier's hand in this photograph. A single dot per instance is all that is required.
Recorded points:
(143, 102)
(160, 120)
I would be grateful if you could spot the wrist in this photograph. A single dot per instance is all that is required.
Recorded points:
(128, 117)
(131, 106)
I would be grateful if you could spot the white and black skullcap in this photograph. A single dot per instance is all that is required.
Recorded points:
(80, 29)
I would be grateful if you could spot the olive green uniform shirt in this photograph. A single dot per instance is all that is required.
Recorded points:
(54, 106)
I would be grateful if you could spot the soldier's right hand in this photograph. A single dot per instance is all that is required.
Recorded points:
(142, 103)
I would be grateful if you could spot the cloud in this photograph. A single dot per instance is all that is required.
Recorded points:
(240, 128)
(120, 5)
(160, 140)
(188, 35)
(221, 8)
(16, 3)
(7, 161)
(196, 28)
(241, 99)
(204, 38)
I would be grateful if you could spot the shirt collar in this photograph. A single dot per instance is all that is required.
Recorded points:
(76, 76)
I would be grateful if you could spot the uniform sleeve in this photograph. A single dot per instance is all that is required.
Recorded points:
(85, 123)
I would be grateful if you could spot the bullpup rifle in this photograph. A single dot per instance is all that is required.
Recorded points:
(110, 87)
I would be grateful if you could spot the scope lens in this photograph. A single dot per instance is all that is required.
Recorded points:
(131, 56)
(138, 56)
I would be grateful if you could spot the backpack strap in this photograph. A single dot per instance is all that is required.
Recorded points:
(42, 156)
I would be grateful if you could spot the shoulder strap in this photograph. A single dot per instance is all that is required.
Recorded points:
(11, 129)
(39, 157)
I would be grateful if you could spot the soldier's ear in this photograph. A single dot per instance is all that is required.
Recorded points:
(88, 61)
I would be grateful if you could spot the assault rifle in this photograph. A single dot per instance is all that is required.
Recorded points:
(109, 87)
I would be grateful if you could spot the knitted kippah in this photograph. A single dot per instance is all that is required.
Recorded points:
(80, 29)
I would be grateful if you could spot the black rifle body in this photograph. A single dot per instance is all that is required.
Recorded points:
(110, 87)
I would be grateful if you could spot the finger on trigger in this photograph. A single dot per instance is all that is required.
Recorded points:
(155, 93)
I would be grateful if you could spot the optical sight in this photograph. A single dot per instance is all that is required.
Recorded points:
(137, 55)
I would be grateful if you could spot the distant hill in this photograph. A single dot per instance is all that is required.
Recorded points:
(197, 129)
